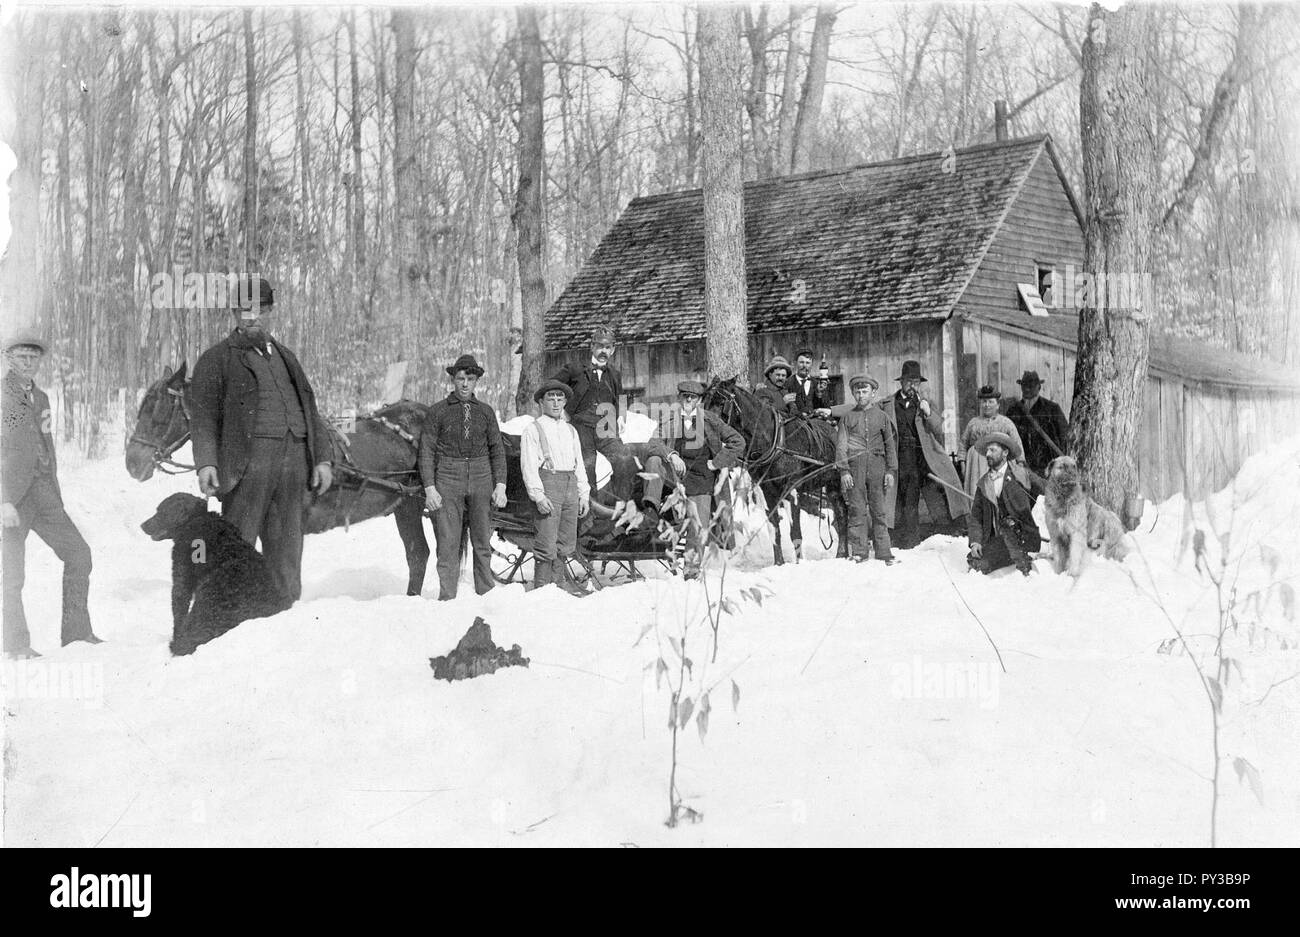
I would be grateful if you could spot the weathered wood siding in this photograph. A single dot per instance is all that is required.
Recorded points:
(1040, 228)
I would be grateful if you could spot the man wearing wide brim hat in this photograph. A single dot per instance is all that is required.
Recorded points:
(866, 452)
(260, 444)
(921, 454)
(462, 466)
(691, 451)
(1041, 423)
(1001, 526)
(774, 391)
(596, 409)
(988, 420)
(550, 457)
(32, 501)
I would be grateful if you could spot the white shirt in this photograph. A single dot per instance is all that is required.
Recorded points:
(566, 455)
(998, 476)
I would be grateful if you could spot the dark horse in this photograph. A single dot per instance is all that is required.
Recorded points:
(782, 453)
(375, 471)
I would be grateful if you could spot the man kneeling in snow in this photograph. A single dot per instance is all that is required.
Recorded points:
(1001, 524)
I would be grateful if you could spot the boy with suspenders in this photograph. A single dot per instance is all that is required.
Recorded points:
(551, 460)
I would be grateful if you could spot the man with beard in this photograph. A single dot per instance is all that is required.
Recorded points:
(777, 396)
(1001, 527)
(259, 441)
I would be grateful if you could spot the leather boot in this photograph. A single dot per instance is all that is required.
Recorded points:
(543, 572)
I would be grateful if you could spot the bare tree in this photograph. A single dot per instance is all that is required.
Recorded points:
(527, 215)
(814, 87)
(1120, 177)
(721, 104)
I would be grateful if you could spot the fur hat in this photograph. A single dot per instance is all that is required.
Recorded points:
(466, 362)
(778, 361)
(553, 385)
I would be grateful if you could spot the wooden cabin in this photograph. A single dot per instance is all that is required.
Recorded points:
(962, 261)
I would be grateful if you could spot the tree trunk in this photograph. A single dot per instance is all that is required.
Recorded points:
(789, 92)
(527, 216)
(814, 87)
(721, 103)
(357, 231)
(251, 260)
(405, 177)
(756, 35)
(1119, 178)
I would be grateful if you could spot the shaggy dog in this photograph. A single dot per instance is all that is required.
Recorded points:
(227, 580)
(1076, 523)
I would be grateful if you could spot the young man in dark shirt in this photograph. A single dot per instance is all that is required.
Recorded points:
(463, 469)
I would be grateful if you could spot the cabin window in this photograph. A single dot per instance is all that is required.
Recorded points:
(1046, 280)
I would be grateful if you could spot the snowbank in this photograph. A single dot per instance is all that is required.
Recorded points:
(873, 709)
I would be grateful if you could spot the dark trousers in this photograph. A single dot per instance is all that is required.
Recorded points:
(466, 489)
(41, 510)
(556, 534)
(1004, 548)
(913, 484)
(867, 507)
(622, 466)
(269, 504)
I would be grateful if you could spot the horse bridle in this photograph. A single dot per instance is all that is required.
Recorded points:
(162, 459)
(730, 406)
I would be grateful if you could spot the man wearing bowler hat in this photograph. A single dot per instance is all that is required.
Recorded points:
(33, 502)
(1041, 423)
(259, 441)
(463, 468)
(920, 455)
(595, 409)
(550, 456)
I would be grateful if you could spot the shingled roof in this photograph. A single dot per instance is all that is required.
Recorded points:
(887, 241)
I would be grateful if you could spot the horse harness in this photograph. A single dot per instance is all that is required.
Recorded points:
(162, 454)
(348, 472)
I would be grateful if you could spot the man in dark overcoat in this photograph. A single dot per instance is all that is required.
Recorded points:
(33, 502)
(1001, 526)
(463, 469)
(1040, 422)
(260, 444)
(921, 454)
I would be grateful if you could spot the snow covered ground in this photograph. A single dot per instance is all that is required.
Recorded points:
(873, 709)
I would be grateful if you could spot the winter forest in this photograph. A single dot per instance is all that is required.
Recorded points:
(371, 162)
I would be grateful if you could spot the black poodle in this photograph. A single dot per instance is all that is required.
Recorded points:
(226, 578)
